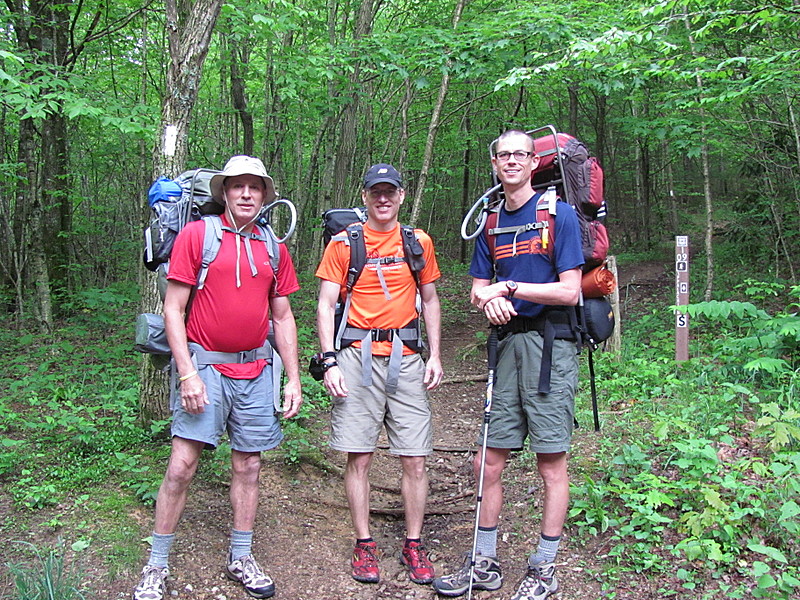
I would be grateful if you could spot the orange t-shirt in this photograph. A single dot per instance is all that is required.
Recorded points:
(369, 306)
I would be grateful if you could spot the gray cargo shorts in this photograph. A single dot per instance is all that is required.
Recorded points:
(242, 407)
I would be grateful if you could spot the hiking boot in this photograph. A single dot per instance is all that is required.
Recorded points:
(415, 558)
(539, 583)
(153, 585)
(249, 573)
(487, 576)
(365, 563)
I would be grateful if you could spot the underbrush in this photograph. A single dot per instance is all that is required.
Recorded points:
(75, 457)
(699, 464)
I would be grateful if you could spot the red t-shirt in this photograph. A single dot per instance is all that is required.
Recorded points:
(369, 307)
(223, 317)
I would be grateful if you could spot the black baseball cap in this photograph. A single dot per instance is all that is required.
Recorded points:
(382, 173)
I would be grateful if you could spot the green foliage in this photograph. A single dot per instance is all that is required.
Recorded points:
(102, 305)
(702, 464)
(69, 411)
(47, 577)
(301, 432)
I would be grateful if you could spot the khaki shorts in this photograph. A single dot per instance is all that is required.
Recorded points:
(356, 420)
(519, 410)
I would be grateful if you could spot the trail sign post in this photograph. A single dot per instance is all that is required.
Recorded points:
(681, 297)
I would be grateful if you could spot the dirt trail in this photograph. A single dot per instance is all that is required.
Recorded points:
(303, 534)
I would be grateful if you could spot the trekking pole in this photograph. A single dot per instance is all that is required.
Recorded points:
(592, 347)
(491, 354)
(594, 391)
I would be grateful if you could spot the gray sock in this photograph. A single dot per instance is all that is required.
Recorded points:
(546, 552)
(159, 551)
(487, 542)
(241, 544)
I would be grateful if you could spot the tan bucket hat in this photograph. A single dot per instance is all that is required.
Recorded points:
(243, 165)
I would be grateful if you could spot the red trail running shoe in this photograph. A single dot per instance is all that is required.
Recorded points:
(365, 562)
(415, 558)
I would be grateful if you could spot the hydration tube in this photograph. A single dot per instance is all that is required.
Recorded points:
(481, 203)
(266, 217)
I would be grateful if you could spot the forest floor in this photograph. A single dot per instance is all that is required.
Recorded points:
(303, 535)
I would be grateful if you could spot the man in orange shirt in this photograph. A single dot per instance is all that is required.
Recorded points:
(380, 378)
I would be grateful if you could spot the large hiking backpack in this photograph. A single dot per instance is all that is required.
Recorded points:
(175, 203)
(346, 226)
(564, 163)
(186, 199)
(565, 172)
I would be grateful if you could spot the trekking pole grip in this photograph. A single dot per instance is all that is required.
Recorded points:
(491, 349)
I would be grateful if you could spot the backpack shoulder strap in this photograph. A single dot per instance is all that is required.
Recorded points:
(491, 224)
(545, 224)
(546, 213)
(358, 254)
(273, 248)
(413, 251)
(212, 240)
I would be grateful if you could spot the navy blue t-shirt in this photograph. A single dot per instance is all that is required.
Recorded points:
(527, 261)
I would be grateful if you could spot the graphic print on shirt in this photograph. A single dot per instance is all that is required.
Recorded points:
(531, 246)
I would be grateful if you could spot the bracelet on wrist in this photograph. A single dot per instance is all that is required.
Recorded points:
(187, 376)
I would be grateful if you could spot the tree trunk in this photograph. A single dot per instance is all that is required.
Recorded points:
(572, 90)
(673, 200)
(638, 185)
(241, 56)
(189, 36)
(346, 147)
(30, 194)
(433, 129)
(709, 206)
(466, 201)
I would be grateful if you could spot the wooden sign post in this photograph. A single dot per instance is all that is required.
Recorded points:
(681, 297)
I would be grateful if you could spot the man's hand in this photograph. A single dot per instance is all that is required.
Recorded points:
(433, 373)
(499, 310)
(193, 395)
(292, 399)
(334, 382)
(483, 295)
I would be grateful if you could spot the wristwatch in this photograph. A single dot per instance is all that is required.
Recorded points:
(511, 287)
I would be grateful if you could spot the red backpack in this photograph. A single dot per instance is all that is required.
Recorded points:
(564, 163)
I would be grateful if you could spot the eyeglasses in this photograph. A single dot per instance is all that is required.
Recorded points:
(377, 193)
(517, 154)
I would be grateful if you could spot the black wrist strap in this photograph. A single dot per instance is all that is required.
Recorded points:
(325, 355)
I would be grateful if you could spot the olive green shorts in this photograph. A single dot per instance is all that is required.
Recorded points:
(356, 420)
(518, 409)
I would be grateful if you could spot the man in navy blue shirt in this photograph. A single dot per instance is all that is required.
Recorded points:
(536, 264)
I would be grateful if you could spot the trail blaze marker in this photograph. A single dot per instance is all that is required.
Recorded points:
(681, 297)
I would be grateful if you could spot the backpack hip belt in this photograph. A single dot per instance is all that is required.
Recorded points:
(408, 336)
(555, 324)
(209, 357)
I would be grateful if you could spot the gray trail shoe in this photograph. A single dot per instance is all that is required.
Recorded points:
(539, 583)
(153, 585)
(487, 576)
(249, 573)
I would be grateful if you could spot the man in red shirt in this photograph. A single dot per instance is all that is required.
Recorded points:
(222, 367)
(378, 380)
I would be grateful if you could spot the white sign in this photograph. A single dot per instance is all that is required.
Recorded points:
(170, 140)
